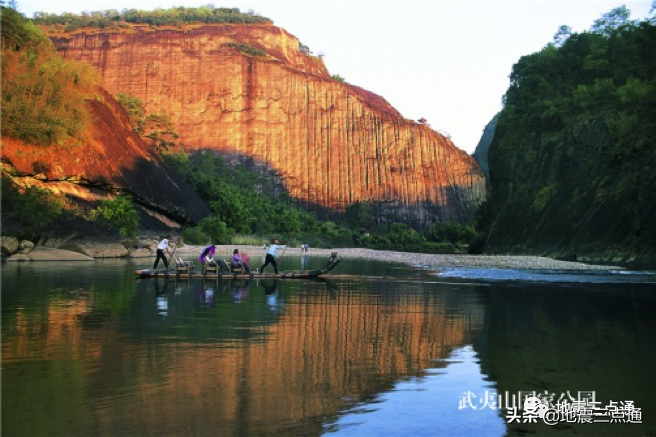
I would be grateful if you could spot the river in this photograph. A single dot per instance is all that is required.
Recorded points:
(89, 350)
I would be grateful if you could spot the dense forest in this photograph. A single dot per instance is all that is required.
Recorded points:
(572, 160)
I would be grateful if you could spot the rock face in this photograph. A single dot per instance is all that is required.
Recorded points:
(100, 249)
(9, 245)
(49, 254)
(112, 158)
(332, 143)
(25, 247)
(483, 147)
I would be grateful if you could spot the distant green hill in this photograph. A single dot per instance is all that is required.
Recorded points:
(572, 163)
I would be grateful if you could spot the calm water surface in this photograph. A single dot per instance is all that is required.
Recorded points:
(88, 350)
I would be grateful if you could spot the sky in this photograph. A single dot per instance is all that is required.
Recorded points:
(447, 61)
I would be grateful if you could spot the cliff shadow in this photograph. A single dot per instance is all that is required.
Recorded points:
(457, 203)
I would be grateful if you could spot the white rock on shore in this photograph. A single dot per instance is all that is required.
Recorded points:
(49, 254)
(101, 250)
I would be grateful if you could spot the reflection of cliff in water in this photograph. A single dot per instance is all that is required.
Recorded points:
(283, 360)
(324, 349)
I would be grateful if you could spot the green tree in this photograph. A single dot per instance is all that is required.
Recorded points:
(158, 17)
(451, 232)
(195, 235)
(612, 21)
(135, 109)
(119, 214)
(564, 32)
(359, 215)
(215, 229)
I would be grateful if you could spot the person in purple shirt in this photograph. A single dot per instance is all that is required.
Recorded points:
(237, 261)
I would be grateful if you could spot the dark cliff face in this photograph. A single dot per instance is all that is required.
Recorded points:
(483, 147)
(572, 160)
(111, 158)
(567, 201)
(331, 143)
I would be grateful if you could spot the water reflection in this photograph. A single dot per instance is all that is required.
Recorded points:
(569, 339)
(91, 353)
(427, 405)
(162, 298)
(240, 290)
(271, 293)
(206, 295)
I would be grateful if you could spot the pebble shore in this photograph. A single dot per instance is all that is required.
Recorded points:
(419, 259)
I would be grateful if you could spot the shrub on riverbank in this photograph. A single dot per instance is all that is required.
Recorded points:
(31, 212)
(119, 214)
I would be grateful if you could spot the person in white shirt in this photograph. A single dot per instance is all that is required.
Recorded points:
(161, 247)
(272, 256)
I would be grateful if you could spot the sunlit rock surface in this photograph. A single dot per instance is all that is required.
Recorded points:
(331, 143)
(111, 158)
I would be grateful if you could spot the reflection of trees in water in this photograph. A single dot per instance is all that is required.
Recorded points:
(573, 338)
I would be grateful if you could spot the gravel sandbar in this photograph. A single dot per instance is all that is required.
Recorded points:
(528, 262)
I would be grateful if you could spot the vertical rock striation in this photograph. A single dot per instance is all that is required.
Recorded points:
(332, 143)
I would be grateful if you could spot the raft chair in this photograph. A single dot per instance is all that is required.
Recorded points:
(182, 266)
(240, 270)
(225, 266)
(211, 269)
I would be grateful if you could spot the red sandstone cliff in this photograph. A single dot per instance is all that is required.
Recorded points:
(111, 157)
(333, 143)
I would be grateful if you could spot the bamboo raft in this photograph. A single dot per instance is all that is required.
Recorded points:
(185, 270)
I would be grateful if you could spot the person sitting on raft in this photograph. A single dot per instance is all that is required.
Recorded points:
(236, 261)
(207, 254)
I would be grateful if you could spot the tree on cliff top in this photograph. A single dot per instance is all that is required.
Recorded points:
(175, 16)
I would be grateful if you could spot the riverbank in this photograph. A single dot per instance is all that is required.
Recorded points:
(416, 259)
(88, 250)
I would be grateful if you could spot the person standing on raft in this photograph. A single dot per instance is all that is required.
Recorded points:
(161, 247)
(272, 256)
